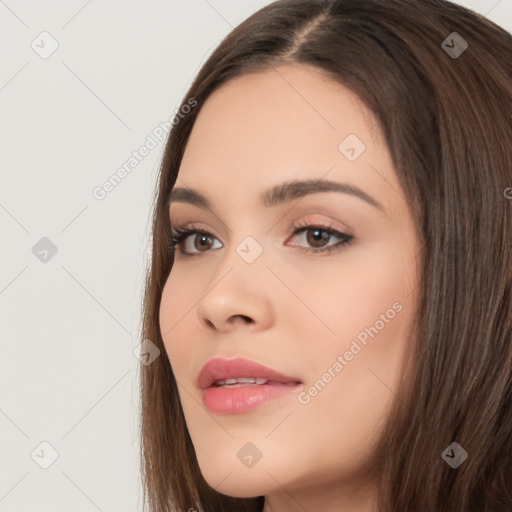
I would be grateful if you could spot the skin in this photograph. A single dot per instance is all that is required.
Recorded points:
(305, 308)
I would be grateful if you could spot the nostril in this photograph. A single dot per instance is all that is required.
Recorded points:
(245, 318)
(234, 319)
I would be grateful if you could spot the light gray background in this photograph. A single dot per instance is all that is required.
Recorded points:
(70, 325)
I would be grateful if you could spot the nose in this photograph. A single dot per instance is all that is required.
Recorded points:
(238, 299)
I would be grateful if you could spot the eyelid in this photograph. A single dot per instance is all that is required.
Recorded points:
(320, 220)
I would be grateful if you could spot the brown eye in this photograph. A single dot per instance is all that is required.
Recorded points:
(192, 242)
(202, 241)
(318, 237)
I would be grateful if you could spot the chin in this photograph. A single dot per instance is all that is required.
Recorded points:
(233, 478)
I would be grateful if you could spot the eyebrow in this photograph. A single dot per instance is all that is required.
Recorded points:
(278, 194)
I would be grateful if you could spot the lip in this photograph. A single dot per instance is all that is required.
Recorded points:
(227, 400)
(217, 369)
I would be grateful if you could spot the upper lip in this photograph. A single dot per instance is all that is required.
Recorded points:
(217, 369)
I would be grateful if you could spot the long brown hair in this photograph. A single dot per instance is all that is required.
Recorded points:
(444, 104)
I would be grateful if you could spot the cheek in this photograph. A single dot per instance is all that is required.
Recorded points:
(343, 296)
(368, 306)
(175, 313)
(361, 311)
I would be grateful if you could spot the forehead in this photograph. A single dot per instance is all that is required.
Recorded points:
(295, 103)
(282, 124)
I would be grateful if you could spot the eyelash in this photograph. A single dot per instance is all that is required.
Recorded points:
(180, 234)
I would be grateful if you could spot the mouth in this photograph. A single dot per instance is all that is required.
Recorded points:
(219, 372)
(238, 385)
(246, 381)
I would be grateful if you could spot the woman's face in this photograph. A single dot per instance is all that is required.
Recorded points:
(328, 307)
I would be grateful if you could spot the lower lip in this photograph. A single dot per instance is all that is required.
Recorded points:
(244, 398)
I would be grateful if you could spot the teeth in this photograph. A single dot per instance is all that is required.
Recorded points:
(240, 380)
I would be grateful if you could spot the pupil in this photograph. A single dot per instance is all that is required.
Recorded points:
(202, 239)
(319, 235)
